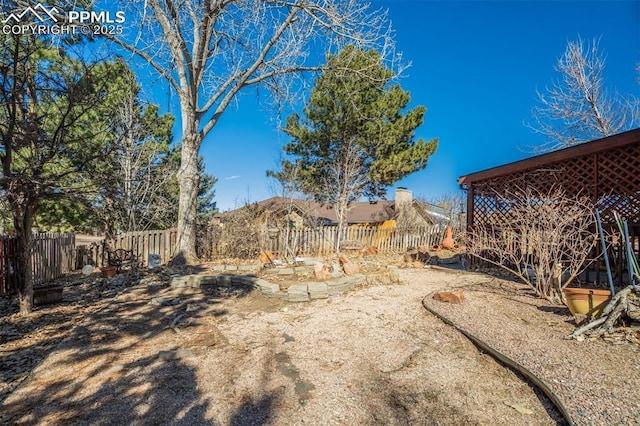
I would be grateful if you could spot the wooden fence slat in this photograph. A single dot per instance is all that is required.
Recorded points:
(321, 241)
(52, 256)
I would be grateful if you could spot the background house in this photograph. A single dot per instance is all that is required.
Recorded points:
(293, 226)
(402, 211)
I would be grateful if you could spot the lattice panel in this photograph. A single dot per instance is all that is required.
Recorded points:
(619, 183)
(612, 178)
(575, 176)
(490, 210)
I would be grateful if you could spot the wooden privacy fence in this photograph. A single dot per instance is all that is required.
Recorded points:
(143, 243)
(52, 256)
(322, 241)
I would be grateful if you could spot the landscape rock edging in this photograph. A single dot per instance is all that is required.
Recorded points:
(302, 292)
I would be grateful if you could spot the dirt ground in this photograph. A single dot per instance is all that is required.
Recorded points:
(147, 354)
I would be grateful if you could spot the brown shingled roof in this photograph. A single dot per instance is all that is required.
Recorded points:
(361, 212)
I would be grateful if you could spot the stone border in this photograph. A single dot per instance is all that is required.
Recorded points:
(303, 292)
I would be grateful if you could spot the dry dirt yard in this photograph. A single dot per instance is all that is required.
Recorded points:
(147, 354)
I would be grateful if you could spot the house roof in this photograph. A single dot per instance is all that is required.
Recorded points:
(361, 212)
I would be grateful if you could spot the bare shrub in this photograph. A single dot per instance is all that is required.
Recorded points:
(545, 239)
(239, 236)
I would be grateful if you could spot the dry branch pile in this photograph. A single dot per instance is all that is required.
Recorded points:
(620, 319)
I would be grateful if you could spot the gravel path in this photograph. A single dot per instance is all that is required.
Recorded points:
(228, 356)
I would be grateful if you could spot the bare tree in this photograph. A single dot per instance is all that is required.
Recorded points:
(241, 234)
(579, 107)
(455, 205)
(545, 239)
(209, 50)
(143, 169)
(344, 180)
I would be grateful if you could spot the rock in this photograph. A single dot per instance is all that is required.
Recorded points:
(248, 268)
(242, 279)
(265, 287)
(224, 280)
(298, 293)
(266, 256)
(449, 296)
(208, 280)
(341, 285)
(299, 269)
(279, 295)
(370, 251)
(171, 355)
(186, 281)
(418, 264)
(350, 268)
(118, 281)
(116, 368)
(163, 301)
(318, 290)
(384, 278)
(337, 270)
(321, 272)
(286, 271)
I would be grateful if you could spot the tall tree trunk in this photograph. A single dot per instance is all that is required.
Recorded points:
(23, 220)
(341, 209)
(188, 181)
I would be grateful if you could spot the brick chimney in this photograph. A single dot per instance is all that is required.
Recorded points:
(404, 197)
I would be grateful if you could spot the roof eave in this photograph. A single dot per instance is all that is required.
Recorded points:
(587, 148)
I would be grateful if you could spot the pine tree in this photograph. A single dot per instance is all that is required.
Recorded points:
(355, 138)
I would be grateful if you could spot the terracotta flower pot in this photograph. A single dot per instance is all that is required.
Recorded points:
(586, 301)
(109, 271)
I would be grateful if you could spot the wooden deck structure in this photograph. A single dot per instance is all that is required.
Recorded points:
(607, 170)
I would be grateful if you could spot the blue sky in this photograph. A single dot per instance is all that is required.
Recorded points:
(475, 65)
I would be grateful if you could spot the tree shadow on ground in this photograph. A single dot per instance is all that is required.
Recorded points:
(107, 344)
(256, 413)
(561, 311)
